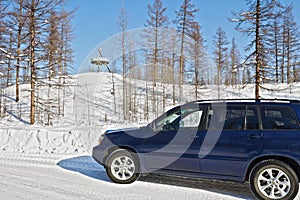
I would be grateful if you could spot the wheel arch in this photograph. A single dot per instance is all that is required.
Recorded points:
(289, 161)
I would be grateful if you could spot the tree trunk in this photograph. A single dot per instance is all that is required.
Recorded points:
(19, 51)
(32, 63)
(173, 78)
(258, 51)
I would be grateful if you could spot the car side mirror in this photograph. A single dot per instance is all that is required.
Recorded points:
(167, 127)
(181, 124)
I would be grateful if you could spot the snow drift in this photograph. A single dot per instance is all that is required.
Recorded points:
(44, 140)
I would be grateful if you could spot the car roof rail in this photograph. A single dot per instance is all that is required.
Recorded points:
(247, 100)
(280, 100)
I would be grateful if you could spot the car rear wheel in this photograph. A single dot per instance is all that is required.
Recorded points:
(274, 179)
(122, 167)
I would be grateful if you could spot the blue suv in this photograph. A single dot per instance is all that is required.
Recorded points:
(237, 140)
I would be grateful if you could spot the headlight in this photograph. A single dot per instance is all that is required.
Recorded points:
(100, 139)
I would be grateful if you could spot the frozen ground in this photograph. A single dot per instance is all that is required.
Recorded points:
(46, 176)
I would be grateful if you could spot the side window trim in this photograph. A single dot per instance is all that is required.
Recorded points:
(204, 121)
(203, 117)
(207, 115)
(258, 117)
(296, 116)
(203, 107)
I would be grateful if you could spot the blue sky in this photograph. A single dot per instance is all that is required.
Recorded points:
(97, 20)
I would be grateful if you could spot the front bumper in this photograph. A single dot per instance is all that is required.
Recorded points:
(99, 155)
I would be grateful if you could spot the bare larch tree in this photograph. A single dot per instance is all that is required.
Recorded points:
(185, 17)
(220, 55)
(156, 24)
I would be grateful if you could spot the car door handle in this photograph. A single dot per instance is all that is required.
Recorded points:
(253, 136)
(193, 136)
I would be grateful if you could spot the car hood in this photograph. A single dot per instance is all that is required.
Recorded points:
(138, 132)
(121, 130)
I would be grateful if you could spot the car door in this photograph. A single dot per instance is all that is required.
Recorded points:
(175, 144)
(239, 139)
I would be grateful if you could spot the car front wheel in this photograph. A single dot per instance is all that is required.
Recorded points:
(122, 167)
(274, 179)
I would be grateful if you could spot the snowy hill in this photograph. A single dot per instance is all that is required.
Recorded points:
(37, 161)
(89, 107)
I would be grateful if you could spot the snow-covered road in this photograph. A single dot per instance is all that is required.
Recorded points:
(42, 176)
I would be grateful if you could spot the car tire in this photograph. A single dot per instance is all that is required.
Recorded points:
(122, 167)
(274, 179)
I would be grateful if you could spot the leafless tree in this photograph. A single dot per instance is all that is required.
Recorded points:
(220, 55)
(291, 46)
(252, 23)
(196, 54)
(185, 17)
(39, 13)
(235, 57)
(155, 33)
(18, 19)
(66, 56)
(123, 22)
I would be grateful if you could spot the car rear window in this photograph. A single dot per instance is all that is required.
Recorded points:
(278, 117)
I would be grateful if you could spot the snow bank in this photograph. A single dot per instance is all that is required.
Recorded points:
(29, 140)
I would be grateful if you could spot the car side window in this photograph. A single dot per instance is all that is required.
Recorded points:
(191, 120)
(233, 117)
(185, 118)
(281, 117)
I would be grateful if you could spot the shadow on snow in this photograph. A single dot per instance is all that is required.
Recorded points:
(87, 166)
(228, 188)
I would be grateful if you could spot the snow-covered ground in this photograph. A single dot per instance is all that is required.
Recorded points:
(54, 162)
(48, 177)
